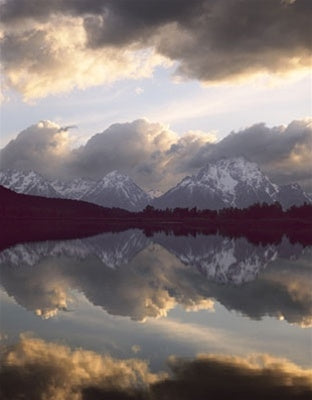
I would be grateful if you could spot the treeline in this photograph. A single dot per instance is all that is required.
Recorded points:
(255, 212)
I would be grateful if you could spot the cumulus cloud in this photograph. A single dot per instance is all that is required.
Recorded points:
(39, 147)
(34, 368)
(52, 48)
(156, 157)
(62, 373)
(149, 152)
(283, 152)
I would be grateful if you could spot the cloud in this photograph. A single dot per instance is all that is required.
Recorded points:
(46, 292)
(139, 90)
(149, 152)
(228, 40)
(68, 374)
(260, 376)
(66, 44)
(281, 291)
(53, 57)
(34, 368)
(39, 147)
(283, 152)
(156, 157)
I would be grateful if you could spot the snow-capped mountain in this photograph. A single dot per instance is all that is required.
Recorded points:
(117, 190)
(27, 182)
(113, 190)
(225, 183)
(233, 182)
(74, 189)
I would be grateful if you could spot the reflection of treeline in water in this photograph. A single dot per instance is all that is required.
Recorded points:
(32, 218)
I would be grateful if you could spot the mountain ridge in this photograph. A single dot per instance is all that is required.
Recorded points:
(232, 182)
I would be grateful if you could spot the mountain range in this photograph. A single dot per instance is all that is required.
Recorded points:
(234, 182)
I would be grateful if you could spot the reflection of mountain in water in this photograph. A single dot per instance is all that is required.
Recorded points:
(111, 248)
(221, 259)
(226, 260)
(151, 276)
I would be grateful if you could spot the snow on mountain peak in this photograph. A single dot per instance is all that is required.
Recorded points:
(28, 182)
(117, 190)
(226, 173)
(114, 178)
(231, 182)
(74, 189)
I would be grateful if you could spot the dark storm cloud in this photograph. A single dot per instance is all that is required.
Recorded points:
(36, 369)
(147, 12)
(211, 40)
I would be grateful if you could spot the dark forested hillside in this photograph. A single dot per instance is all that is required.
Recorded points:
(16, 205)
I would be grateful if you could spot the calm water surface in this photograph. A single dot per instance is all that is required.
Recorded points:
(152, 304)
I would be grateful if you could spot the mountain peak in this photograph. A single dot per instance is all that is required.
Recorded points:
(28, 182)
(116, 175)
(117, 190)
(115, 179)
(229, 182)
(225, 174)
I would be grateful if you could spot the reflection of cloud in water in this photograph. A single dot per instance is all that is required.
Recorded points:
(149, 286)
(57, 301)
(282, 291)
(42, 290)
(151, 280)
(35, 369)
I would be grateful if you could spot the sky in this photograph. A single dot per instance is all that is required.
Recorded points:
(156, 89)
